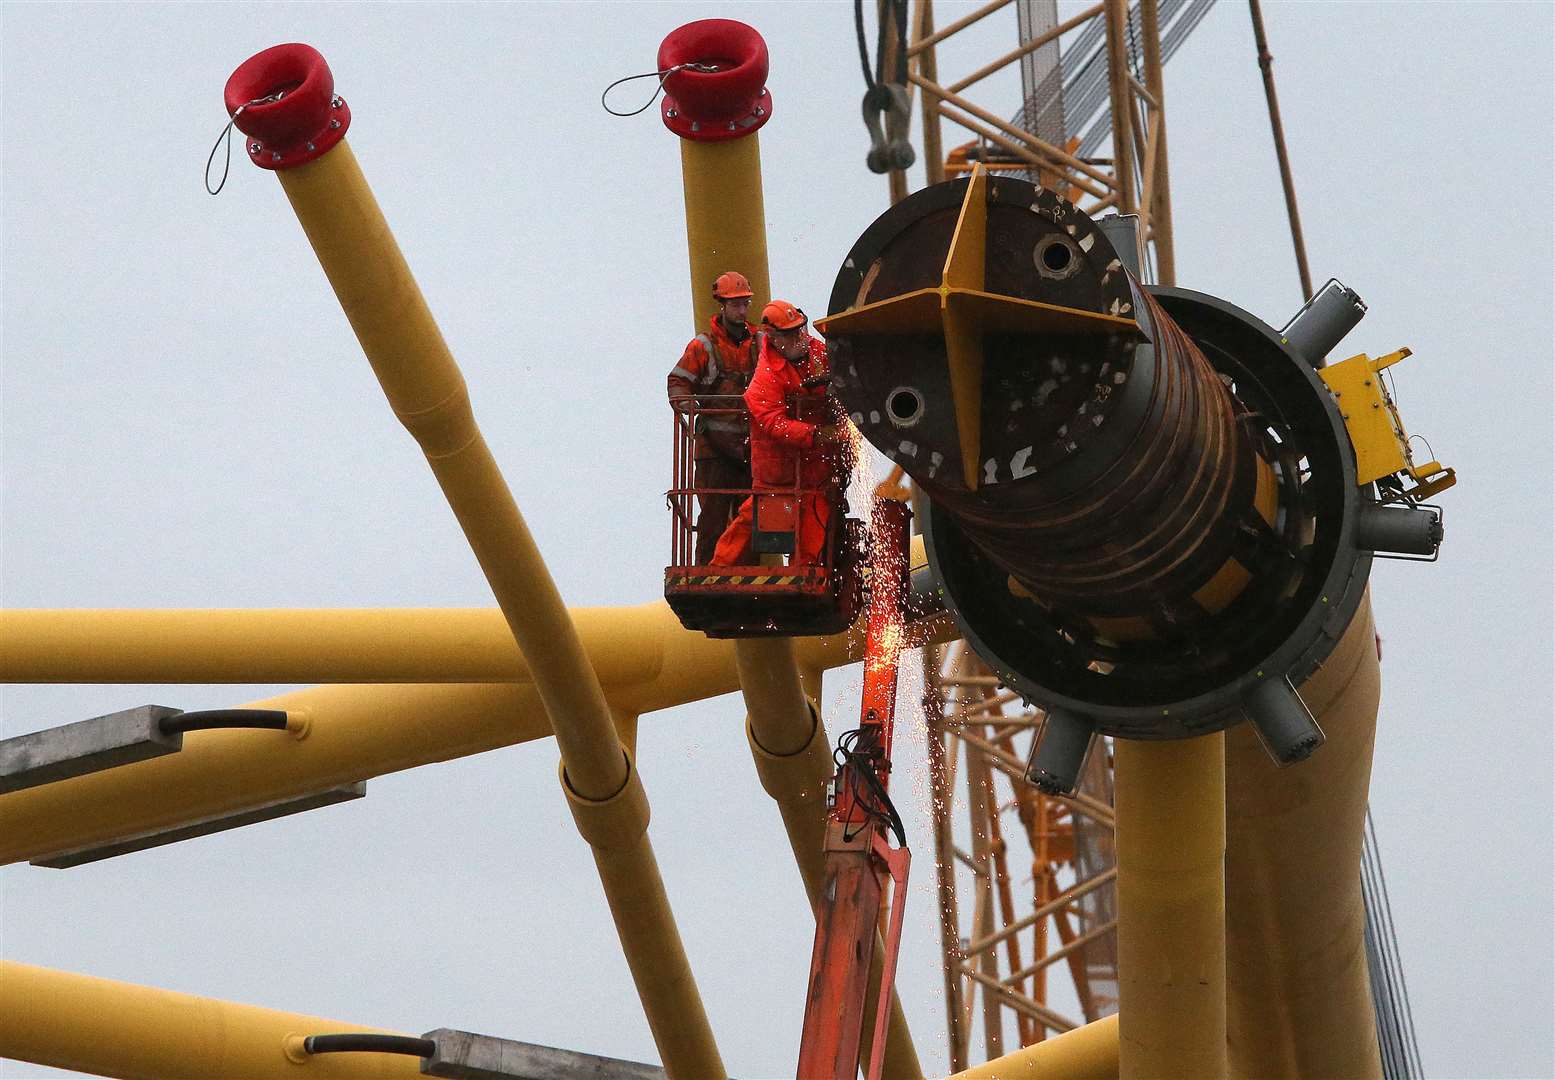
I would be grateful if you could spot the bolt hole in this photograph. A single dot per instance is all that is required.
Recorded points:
(904, 406)
(1056, 257)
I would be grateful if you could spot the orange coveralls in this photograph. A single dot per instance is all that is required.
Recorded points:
(780, 446)
(714, 363)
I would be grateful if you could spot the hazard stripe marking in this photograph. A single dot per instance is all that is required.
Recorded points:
(742, 579)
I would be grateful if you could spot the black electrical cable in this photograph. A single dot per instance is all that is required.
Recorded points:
(363, 1043)
(274, 719)
(860, 748)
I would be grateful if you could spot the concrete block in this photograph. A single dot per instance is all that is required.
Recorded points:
(88, 746)
(463, 1055)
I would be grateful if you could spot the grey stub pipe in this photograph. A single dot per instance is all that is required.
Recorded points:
(1323, 321)
(1283, 722)
(1400, 529)
(1059, 752)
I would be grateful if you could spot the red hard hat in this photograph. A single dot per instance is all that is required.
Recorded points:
(731, 285)
(781, 315)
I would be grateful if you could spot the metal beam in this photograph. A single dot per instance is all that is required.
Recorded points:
(464, 1055)
(86, 746)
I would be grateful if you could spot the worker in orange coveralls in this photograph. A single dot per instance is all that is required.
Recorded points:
(792, 368)
(719, 362)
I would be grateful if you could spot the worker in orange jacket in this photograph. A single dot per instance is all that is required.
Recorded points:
(790, 383)
(719, 362)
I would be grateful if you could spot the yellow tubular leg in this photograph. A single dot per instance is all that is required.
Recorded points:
(1086, 1053)
(1299, 997)
(108, 1028)
(1171, 843)
(726, 230)
(726, 221)
(424, 387)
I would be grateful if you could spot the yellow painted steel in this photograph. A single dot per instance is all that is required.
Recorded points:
(1376, 432)
(963, 342)
(1299, 1003)
(626, 646)
(616, 830)
(1086, 1053)
(1376, 429)
(354, 732)
(642, 655)
(1171, 843)
(726, 221)
(109, 1028)
(424, 387)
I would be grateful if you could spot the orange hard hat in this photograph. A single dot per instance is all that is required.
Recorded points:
(731, 285)
(781, 315)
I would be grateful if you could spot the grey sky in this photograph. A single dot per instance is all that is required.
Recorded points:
(188, 422)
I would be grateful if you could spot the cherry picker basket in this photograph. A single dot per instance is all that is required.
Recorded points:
(773, 596)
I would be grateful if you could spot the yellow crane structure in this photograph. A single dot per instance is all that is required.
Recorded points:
(1175, 879)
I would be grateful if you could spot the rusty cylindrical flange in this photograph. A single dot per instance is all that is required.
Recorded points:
(1161, 521)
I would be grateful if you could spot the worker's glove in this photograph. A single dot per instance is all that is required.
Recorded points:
(823, 379)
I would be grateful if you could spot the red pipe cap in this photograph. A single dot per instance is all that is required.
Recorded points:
(729, 103)
(305, 121)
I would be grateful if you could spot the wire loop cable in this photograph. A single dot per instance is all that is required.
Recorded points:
(706, 69)
(226, 133)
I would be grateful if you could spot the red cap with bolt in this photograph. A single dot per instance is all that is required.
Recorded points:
(727, 102)
(284, 101)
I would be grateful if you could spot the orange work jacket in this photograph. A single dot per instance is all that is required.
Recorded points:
(781, 443)
(713, 363)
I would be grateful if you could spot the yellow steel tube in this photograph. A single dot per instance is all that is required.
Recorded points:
(726, 229)
(1298, 996)
(615, 829)
(726, 221)
(109, 1028)
(1171, 843)
(353, 645)
(641, 649)
(354, 732)
(424, 387)
(1086, 1053)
